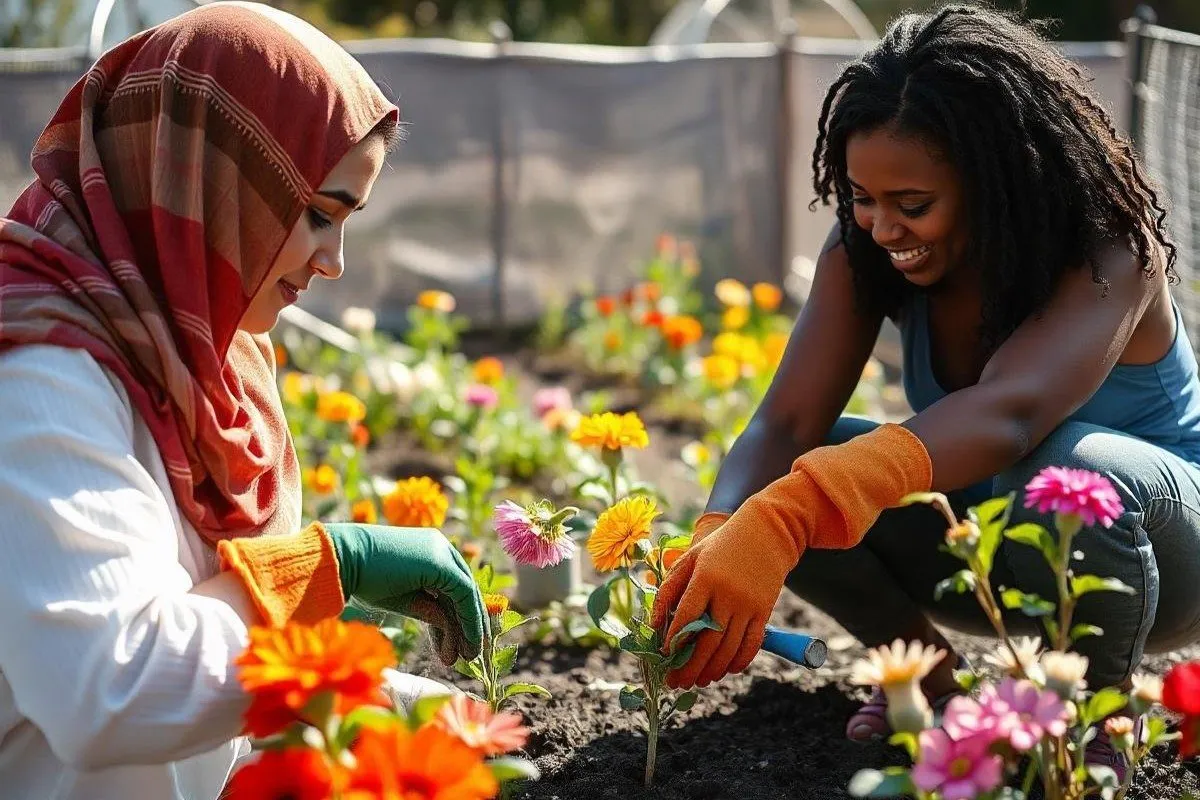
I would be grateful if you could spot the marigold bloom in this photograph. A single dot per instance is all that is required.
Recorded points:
(340, 407)
(416, 503)
(735, 318)
(773, 347)
(681, 331)
(610, 431)
(767, 296)
(1080, 492)
(284, 668)
(428, 764)
(618, 530)
(488, 369)
(605, 306)
(533, 535)
(653, 319)
(721, 371)
(496, 604)
(360, 435)
(295, 773)
(281, 358)
(732, 292)
(296, 385)
(322, 480)
(435, 300)
(473, 723)
(956, 770)
(364, 512)
(741, 348)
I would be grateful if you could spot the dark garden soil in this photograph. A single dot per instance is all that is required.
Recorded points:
(775, 731)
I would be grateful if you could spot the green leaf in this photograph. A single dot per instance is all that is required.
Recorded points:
(507, 769)
(1156, 732)
(512, 619)
(1030, 604)
(921, 497)
(704, 623)
(504, 660)
(1100, 705)
(967, 679)
(891, 782)
(613, 627)
(991, 517)
(365, 717)
(1034, 535)
(680, 656)
(1051, 626)
(1104, 777)
(908, 741)
(632, 698)
(1082, 584)
(423, 709)
(960, 582)
(514, 689)
(1083, 629)
(599, 600)
(667, 542)
(470, 669)
(685, 701)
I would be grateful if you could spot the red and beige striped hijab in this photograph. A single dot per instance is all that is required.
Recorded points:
(167, 181)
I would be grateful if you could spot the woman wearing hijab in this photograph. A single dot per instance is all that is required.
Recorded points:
(193, 183)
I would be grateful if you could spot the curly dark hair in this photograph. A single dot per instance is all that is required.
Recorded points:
(1047, 179)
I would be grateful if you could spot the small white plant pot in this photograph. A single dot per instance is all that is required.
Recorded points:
(538, 588)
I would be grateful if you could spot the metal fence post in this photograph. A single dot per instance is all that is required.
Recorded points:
(787, 40)
(1135, 49)
(501, 37)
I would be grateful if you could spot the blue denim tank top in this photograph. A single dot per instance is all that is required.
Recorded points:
(1159, 402)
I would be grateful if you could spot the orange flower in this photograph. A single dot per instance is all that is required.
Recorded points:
(618, 530)
(283, 669)
(681, 331)
(652, 319)
(429, 764)
(489, 370)
(364, 511)
(605, 306)
(649, 291)
(322, 480)
(340, 407)
(773, 346)
(295, 773)
(281, 358)
(496, 604)
(478, 728)
(360, 435)
(609, 431)
(470, 551)
(648, 578)
(767, 296)
(721, 371)
(436, 300)
(612, 341)
(416, 502)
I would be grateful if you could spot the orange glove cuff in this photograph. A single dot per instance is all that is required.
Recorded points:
(709, 521)
(292, 578)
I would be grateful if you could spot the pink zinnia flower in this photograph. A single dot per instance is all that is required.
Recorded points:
(534, 535)
(473, 722)
(550, 398)
(1074, 491)
(956, 769)
(481, 395)
(1016, 710)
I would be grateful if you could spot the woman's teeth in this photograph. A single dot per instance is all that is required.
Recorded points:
(908, 255)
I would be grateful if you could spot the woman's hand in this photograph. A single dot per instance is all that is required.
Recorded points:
(415, 572)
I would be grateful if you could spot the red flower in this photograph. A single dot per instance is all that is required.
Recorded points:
(605, 306)
(1181, 693)
(296, 773)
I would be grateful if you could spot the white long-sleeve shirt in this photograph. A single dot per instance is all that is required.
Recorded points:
(115, 682)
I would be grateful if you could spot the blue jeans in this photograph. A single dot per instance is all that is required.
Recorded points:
(882, 587)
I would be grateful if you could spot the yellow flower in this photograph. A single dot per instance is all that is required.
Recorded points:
(496, 604)
(618, 530)
(735, 317)
(296, 385)
(743, 349)
(610, 431)
(364, 511)
(773, 346)
(732, 292)
(767, 296)
(417, 503)
(721, 371)
(436, 300)
(489, 370)
(696, 454)
(322, 480)
(340, 407)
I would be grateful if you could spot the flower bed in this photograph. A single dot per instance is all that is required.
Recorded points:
(535, 463)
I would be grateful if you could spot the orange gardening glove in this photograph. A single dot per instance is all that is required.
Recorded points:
(291, 577)
(830, 498)
(708, 522)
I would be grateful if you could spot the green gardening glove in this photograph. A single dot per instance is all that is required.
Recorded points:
(415, 572)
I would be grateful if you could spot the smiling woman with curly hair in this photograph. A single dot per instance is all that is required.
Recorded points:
(986, 204)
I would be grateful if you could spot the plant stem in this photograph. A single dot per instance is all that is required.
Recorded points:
(652, 718)
(613, 469)
(489, 672)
